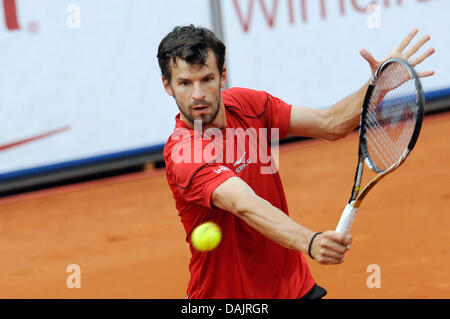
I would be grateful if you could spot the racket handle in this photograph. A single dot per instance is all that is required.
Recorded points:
(347, 219)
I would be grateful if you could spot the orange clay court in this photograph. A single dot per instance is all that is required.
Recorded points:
(125, 234)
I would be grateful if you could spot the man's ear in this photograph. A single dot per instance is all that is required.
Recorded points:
(167, 86)
(223, 78)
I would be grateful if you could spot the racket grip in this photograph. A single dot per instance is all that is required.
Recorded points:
(347, 219)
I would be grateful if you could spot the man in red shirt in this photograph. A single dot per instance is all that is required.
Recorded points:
(220, 168)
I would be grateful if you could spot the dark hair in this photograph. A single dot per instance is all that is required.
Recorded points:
(190, 44)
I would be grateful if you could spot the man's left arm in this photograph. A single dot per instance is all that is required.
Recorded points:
(343, 117)
(332, 123)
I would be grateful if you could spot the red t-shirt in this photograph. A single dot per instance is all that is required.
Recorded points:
(245, 264)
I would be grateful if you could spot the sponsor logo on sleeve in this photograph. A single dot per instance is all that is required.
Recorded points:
(222, 169)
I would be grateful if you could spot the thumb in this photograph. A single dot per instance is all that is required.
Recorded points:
(369, 58)
(348, 240)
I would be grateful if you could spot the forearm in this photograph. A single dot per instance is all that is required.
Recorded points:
(344, 115)
(274, 224)
(332, 123)
(236, 197)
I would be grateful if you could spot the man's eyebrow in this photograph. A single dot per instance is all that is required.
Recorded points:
(183, 79)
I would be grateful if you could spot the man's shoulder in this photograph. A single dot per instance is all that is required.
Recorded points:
(179, 136)
(239, 94)
(181, 142)
(251, 103)
(183, 154)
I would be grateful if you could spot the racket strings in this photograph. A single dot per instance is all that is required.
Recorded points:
(388, 143)
(379, 138)
(391, 116)
(388, 139)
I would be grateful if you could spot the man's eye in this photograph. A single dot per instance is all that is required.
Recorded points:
(185, 83)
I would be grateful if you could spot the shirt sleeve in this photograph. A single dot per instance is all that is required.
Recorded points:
(277, 115)
(193, 174)
(195, 183)
(272, 112)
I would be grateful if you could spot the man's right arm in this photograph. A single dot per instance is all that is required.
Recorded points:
(237, 197)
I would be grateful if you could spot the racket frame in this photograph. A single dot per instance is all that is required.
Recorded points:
(420, 113)
(356, 197)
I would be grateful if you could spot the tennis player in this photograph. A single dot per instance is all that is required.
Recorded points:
(218, 170)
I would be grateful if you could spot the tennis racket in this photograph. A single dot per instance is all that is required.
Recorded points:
(391, 119)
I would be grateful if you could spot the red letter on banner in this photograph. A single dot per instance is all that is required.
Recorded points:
(270, 18)
(11, 14)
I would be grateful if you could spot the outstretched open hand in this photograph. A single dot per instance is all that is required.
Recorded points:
(402, 53)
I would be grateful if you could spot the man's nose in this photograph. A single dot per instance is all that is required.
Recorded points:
(198, 93)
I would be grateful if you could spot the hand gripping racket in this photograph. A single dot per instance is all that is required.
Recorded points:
(390, 123)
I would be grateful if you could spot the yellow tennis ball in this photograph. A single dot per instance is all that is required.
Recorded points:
(206, 236)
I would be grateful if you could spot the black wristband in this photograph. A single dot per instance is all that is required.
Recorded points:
(310, 243)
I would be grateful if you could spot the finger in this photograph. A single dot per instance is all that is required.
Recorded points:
(336, 241)
(334, 246)
(334, 236)
(417, 46)
(425, 74)
(423, 57)
(406, 41)
(329, 261)
(348, 240)
(327, 253)
(368, 57)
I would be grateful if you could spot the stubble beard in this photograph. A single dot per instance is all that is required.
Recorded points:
(205, 119)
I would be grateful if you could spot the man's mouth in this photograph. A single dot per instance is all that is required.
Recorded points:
(200, 108)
